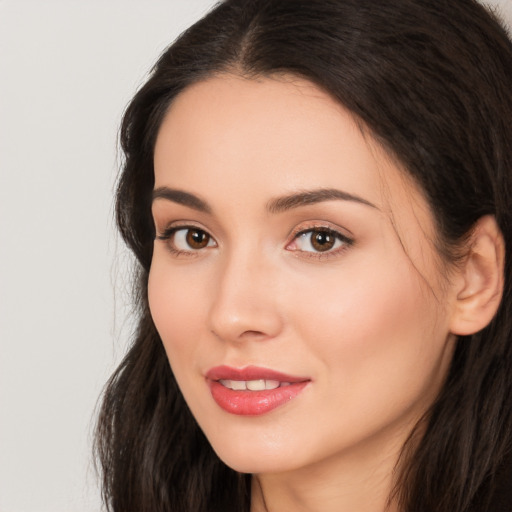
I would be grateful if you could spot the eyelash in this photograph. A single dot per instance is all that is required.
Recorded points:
(345, 242)
(168, 236)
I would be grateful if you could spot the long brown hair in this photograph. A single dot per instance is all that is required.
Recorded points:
(431, 80)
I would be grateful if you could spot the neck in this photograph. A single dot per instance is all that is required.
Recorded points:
(353, 481)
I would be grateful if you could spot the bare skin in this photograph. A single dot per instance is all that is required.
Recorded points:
(365, 317)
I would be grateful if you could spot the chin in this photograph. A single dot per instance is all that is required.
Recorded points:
(265, 456)
(255, 464)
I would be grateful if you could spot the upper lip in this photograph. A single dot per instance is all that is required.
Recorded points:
(250, 373)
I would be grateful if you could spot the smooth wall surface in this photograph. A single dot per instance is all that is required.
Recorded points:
(67, 70)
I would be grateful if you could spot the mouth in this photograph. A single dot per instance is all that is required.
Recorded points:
(252, 391)
(252, 385)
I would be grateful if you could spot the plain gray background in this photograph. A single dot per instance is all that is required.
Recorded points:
(67, 70)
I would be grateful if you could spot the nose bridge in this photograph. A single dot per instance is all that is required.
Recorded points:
(244, 305)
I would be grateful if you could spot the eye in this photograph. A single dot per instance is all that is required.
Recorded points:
(319, 240)
(189, 238)
(185, 239)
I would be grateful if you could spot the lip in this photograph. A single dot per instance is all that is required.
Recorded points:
(252, 403)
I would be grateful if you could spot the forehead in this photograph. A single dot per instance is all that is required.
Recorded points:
(268, 136)
(284, 125)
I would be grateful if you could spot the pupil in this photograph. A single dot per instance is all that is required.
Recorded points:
(323, 241)
(197, 239)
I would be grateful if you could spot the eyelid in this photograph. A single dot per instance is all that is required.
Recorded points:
(347, 241)
(168, 233)
(306, 227)
(171, 227)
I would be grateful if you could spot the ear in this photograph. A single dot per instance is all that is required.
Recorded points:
(479, 286)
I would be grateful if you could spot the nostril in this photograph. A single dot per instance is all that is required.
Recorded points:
(253, 333)
(243, 336)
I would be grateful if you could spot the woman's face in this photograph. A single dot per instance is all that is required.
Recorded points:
(294, 281)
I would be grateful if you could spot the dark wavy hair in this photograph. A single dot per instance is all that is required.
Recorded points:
(431, 81)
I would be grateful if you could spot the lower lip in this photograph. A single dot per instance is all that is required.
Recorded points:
(253, 403)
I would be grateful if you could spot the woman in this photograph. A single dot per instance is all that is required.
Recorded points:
(317, 193)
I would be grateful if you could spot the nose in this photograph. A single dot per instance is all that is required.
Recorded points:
(245, 302)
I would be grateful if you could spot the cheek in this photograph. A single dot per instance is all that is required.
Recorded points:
(378, 334)
(175, 304)
(358, 302)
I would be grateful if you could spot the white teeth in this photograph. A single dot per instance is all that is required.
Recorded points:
(256, 385)
(252, 385)
(237, 385)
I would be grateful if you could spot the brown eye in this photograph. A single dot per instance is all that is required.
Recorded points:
(187, 239)
(322, 240)
(319, 240)
(197, 239)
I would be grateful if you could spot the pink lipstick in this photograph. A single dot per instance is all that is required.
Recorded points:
(252, 391)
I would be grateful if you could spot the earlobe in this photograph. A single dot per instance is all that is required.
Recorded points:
(480, 286)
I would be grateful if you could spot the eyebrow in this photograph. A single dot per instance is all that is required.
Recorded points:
(308, 197)
(182, 197)
(277, 205)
